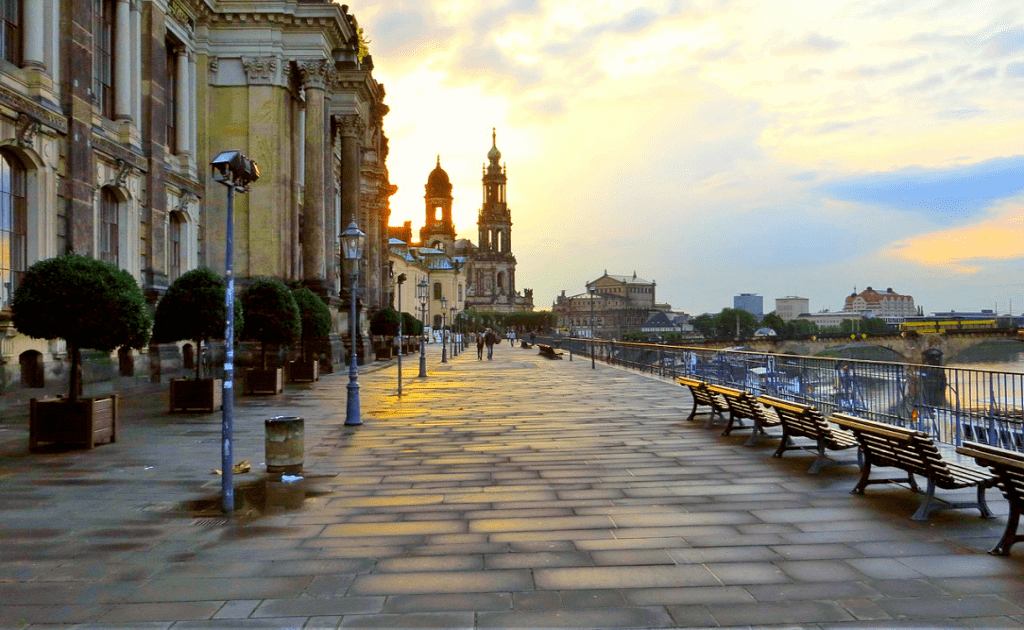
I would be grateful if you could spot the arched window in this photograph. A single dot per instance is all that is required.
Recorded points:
(109, 234)
(501, 280)
(103, 55)
(438, 294)
(174, 229)
(437, 322)
(10, 33)
(13, 227)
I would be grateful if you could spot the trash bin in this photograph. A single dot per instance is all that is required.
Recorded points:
(284, 444)
(933, 379)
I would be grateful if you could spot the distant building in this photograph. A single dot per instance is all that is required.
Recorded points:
(827, 319)
(637, 291)
(889, 305)
(791, 307)
(618, 304)
(751, 303)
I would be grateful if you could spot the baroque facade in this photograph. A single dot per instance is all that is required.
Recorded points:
(111, 110)
(612, 306)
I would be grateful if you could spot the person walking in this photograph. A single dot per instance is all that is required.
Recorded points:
(490, 338)
(512, 338)
(479, 346)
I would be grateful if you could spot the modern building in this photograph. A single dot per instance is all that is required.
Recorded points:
(888, 305)
(829, 319)
(751, 303)
(790, 307)
(111, 110)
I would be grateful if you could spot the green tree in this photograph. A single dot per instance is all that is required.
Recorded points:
(705, 325)
(87, 302)
(411, 326)
(315, 316)
(773, 321)
(193, 308)
(385, 323)
(271, 314)
(726, 324)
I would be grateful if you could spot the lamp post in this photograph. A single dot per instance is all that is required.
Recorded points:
(237, 172)
(400, 280)
(455, 345)
(421, 293)
(444, 333)
(352, 240)
(593, 333)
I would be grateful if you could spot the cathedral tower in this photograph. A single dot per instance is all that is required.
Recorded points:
(493, 271)
(438, 231)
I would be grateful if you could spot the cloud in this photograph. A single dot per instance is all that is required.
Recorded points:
(950, 195)
(811, 44)
(1015, 70)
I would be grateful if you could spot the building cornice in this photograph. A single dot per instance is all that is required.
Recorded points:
(33, 110)
(326, 18)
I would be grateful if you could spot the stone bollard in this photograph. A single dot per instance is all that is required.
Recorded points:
(284, 444)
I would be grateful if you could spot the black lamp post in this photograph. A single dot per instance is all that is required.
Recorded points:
(352, 240)
(400, 280)
(593, 331)
(455, 345)
(421, 293)
(444, 333)
(237, 172)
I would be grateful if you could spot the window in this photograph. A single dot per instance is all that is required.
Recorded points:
(103, 56)
(108, 227)
(174, 252)
(13, 227)
(437, 291)
(171, 99)
(10, 33)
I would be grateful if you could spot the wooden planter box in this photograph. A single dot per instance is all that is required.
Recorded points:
(189, 394)
(383, 353)
(304, 371)
(264, 381)
(89, 421)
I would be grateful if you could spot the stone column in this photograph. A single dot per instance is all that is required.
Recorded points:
(34, 37)
(181, 101)
(123, 61)
(314, 78)
(136, 52)
(350, 127)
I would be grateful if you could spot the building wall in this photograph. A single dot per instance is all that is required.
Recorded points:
(788, 308)
(751, 303)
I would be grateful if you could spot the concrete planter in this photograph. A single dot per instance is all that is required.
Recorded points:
(189, 394)
(89, 421)
(264, 381)
(304, 371)
(285, 443)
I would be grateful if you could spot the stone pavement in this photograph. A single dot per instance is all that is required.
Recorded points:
(518, 492)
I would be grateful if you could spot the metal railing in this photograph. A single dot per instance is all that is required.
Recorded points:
(951, 404)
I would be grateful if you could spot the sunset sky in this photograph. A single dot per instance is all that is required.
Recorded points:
(717, 147)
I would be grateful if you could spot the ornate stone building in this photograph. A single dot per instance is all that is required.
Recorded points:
(111, 110)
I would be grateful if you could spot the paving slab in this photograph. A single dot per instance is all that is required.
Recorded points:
(518, 492)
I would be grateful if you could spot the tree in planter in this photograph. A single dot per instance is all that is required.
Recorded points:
(194, 309)
(271, 315)
(384, 323)
(87, 302)
(315, 316)
(411, 326)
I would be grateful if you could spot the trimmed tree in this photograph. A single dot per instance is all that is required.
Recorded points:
(410, 325)
(86, 302)
(194, 309)
(271, 315)
(315, 316)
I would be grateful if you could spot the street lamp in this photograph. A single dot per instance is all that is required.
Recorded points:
(352, 240)
(593, 333)
(455, 346)
(237, 172)
(400, 280)
(421, 293)
(444, 334)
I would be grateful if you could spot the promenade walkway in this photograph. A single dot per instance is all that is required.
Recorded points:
(518, 492)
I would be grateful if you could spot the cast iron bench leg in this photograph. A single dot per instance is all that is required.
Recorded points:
(1010, 536)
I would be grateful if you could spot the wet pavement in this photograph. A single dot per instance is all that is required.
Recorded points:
(518, 492)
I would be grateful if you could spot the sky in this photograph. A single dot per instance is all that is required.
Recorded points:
(716, 147)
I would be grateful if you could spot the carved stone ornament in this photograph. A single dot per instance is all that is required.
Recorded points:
(124, 169)
(27, 130)
(316, 74)
(260, 70)
(185, 200)
(350, 125)
(177, 10)
(213, 64)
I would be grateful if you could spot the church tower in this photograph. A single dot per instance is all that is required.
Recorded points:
(493, 274)
(438, 231)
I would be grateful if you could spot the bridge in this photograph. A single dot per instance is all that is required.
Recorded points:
(894, 347)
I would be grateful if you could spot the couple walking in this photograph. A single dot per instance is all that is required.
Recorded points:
(488, 338)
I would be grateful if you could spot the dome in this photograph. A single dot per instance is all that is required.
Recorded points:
(438, 184)
(494, 154)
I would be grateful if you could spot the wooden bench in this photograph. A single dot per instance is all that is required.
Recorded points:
(703, 397)
(745, 406)
(525, 344)
(1008, 467)
(799, 420)
(548, 352)
(915, 453)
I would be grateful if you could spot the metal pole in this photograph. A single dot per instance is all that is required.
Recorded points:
(593, 333)
(352, 404)
(423, 340)
(444, 338)
(400, 338)
(227, 480)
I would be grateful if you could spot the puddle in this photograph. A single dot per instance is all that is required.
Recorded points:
(274, 494)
